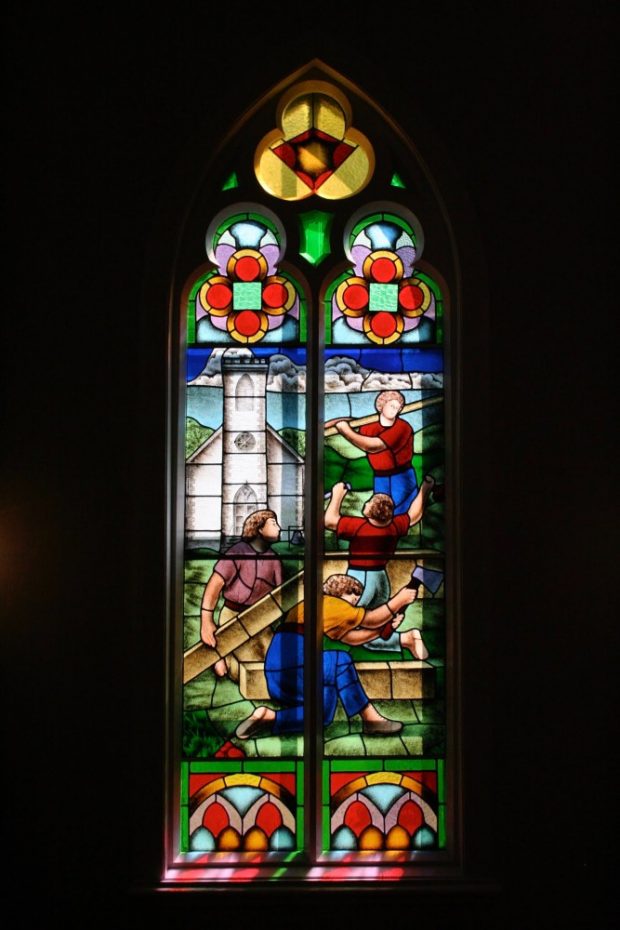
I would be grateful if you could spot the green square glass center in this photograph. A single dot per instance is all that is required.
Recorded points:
(383, 297)
(247, 295)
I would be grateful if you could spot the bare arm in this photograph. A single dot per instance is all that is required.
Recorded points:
(416, 508)
(332, 513)
(359, 636)
(376, 618)
(212, 591)
(366, 443)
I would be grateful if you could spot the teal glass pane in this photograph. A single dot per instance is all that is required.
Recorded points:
(383, 297)
(247, 295)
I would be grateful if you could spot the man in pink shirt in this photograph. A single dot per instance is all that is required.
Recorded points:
(248, 570)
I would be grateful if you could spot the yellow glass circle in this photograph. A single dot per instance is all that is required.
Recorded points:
(371, 838)
(229, 840)
(397, 838)
(255, 840)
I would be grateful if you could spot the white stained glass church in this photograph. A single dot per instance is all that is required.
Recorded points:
(245, 465)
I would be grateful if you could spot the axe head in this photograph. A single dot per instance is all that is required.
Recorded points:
(428, 577)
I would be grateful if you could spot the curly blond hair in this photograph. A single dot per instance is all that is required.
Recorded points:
(385, 396)
(254, 524)
(337, 585)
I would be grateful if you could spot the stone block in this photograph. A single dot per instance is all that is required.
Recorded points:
(411, 680)
(382, 681)
(252, 681)
(400, 681)
(375, 678)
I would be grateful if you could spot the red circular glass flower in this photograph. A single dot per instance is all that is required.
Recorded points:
(247, 296)
(383, 298)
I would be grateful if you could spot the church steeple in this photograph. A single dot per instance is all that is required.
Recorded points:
(244, 451)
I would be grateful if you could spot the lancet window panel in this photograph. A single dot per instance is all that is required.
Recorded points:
(314, 720)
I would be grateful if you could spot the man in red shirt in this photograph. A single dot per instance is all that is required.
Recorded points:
(388, 442)
(373, 538)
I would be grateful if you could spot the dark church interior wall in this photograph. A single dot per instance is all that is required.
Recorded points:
(102, 111)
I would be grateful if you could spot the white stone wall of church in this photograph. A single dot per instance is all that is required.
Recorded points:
(285, 479)
(260, 442)
(203, 516)
(203, 479)
(277, 452)
(211, 453)
(241, 468)
(289, 511)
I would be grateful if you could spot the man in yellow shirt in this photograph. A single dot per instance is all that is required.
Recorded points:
(344, 621)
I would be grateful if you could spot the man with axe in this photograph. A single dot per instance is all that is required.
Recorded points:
(373, 538)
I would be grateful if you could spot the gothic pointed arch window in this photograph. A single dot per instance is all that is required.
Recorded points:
(244, 393)
(314, 731)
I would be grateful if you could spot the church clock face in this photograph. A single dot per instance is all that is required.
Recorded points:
(245, 441)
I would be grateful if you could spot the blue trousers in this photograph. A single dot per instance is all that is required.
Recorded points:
(376, 591)
(284, 671)
(402, 488)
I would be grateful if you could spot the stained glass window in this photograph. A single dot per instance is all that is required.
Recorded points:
(313, 609)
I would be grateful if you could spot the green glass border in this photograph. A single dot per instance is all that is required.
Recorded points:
(327, 304)
(441, 781)
(432, 284)
(184, 809)
(191, 305)
(209, 768)
(270, 765)
(370, 765)
(441, 827)
(412, 765)
(303, 304)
